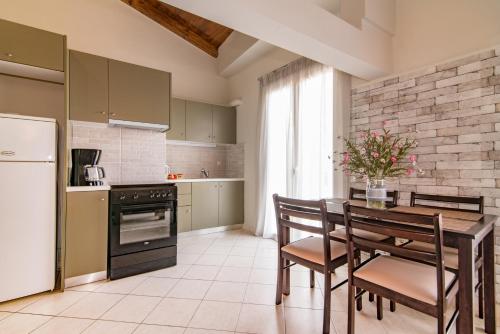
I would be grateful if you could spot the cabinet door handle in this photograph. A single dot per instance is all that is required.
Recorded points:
(102, 199)
(113, 114)
(101, 112)
(9, 55)
(8, 153)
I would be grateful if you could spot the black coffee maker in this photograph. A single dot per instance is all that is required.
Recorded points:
(84, 171)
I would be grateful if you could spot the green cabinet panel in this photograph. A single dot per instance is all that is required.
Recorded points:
(88, 87)
(231, 203)
(205, 205)
(198, 122)
(30, 46)
(86, 233)
(138, 94)
(177, 129)
(224, 125)
(183, 219)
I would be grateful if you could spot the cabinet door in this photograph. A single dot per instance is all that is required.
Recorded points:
(205, 205)
(224, 125)
(88, 87)
(138, 94)
(183, 219)
(25, 45)
(86, 233)
(198, 122)
(231, 202)
(177, 129)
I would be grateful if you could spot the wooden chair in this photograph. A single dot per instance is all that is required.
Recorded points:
(316, 253)
(451, 254)
(409, 279)
(340, 234)
(392, 196)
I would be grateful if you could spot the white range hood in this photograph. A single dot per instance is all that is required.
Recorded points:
(138, 125)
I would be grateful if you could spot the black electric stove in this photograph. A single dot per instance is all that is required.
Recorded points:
(142, 228)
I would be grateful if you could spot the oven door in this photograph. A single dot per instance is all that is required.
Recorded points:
(136, 228)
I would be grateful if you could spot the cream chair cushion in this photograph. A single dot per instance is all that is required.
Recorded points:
(409, 278)
(341, 234)
(311, 249)
(450, 254)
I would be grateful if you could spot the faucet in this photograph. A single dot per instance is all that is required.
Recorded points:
(204, 173)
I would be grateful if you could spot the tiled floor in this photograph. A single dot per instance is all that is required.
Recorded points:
(224, 283)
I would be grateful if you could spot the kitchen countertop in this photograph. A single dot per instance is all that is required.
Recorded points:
(87, 188)
(107, 187)
(205, 180)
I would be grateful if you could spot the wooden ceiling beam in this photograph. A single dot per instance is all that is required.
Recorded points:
(202, 33)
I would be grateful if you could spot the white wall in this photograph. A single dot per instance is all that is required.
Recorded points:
(431, 31)
(113, 29)
(245, 86)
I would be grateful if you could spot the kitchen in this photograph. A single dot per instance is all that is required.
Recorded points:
(123, 144)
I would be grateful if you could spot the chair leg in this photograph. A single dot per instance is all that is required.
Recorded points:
(279, 281)
(441, 324)
(311, 279)
(327, 301)
(350, 309)
(380, 308)
(370, 294)
(286, 287)
(392, 305)
(480, 275)
(359, 301)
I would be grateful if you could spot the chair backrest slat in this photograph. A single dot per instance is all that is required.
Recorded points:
(301, 214)
(301, 227)
(475, 200)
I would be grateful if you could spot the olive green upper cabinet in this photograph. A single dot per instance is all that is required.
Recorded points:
(224, 125)
(231, 202)
(198, 121)
(30, 46)
(138, 94)
(177, 129)
(88, 88)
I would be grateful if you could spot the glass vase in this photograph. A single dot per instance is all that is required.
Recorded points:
(376, 193)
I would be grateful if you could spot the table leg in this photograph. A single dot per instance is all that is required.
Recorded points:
(465, 323)
(489, 282)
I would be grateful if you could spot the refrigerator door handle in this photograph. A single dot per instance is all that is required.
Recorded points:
(8, 153)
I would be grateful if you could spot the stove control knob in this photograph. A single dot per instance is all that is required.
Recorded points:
(122, 197)
(135, 196)
(158, 194)
(163, 194)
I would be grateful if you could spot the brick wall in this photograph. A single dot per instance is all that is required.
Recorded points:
(453, 111)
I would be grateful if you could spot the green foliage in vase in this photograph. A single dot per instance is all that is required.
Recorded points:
(379, 156)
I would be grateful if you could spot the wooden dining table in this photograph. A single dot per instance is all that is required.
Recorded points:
(463, 232)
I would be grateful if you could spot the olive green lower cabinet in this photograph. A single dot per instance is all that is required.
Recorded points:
(86, 237)
(217, 204)
(183, 207)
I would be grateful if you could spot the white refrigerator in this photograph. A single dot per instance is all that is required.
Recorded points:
(28, 147)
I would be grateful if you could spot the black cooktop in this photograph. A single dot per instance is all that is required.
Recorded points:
(139, 185)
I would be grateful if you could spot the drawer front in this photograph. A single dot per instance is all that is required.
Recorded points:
(184, 219)
(184, 200)
(183, 188)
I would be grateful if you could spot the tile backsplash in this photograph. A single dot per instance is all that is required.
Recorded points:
(134, 156)
(220, 161)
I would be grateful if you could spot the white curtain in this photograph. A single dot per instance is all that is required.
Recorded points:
(296, 137)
